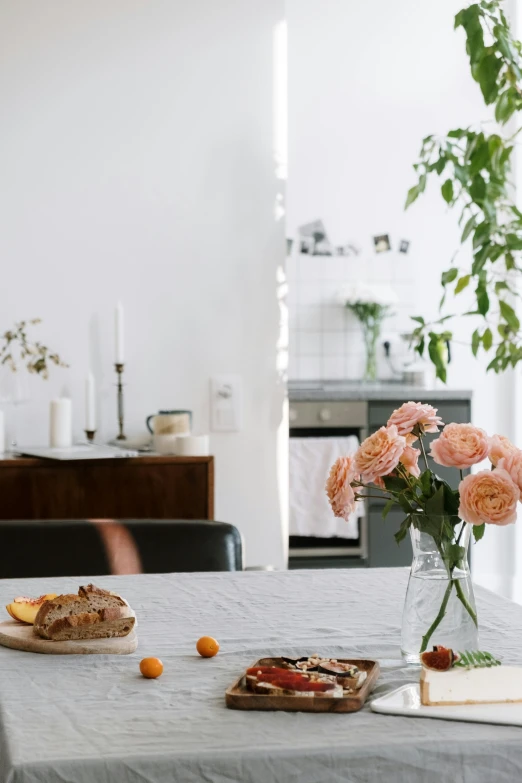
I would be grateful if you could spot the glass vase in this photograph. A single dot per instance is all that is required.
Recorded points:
(371, 332)
(440, 605)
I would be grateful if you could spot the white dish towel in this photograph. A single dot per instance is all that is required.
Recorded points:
(310, 463)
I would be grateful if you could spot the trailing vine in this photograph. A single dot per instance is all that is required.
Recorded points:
(475, 168)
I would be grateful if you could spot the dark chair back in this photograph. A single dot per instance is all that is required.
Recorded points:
(97, 547)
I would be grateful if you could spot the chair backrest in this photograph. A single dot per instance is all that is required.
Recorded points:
(97, 547)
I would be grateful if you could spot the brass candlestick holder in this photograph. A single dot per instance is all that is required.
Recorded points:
(89, 434)
(119, 369)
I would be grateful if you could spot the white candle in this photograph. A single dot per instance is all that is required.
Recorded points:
(90, 403)
(61, 423)
(119, 326)
(2, 432)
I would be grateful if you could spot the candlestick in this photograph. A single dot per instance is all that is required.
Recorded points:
(89, 434)
(119, 323)
(90, 403)
(119, 370)
(61, 423)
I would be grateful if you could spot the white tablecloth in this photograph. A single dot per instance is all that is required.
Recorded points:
(94, 719)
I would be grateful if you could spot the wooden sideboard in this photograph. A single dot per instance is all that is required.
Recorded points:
(148, 487)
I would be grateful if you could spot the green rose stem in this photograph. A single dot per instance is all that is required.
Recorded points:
(465, 602)
(437, 621)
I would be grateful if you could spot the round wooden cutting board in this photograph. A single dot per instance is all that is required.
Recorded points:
(21, 637)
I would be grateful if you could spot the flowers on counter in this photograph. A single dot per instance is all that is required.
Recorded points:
(370, 304)
(386, 466)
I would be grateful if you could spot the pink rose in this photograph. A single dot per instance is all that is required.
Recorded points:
(410, 460)
(500, 446)
(489, 496)
(512, 464)
(460, 446)
(339, 489)
(379, 454)
(415, 415)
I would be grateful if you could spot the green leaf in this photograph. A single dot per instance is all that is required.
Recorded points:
(419, 319)
(440, 165)
(449, 276)
(395, 483)
(478, 531)
(514, 242)
(487, 339)
(509, 315)
(482, 301)
(402, 532)
(482, 233)
(425, 481)
(388, 507)
(506, 105)
(485, 71)
(455, 553)
(477, 189)
(475, 342)
(462, 283)
(451, 499)
(480, 259)
(468, 228)
(480, 157)
(447, 191)
(458, 133)
(436, 351)
(435, 504)
(413, 194)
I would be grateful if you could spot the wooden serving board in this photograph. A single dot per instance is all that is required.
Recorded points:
(238, 697)
(21, 637)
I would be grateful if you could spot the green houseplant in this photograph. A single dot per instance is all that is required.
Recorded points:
(475, 166)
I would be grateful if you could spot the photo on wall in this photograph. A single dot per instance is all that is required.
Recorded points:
(382, 243)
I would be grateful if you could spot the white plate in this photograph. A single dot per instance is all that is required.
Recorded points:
(406, 701)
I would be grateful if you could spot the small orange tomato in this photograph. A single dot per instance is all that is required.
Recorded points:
(151, 668)
(207, 647)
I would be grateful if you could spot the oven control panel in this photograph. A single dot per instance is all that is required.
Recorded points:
(329, 414)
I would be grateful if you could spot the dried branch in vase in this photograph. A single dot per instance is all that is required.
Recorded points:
(18, 349)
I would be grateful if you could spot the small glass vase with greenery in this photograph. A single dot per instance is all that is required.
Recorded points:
(371, 305)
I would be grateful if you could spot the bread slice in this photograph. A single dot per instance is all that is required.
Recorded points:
(92, 614)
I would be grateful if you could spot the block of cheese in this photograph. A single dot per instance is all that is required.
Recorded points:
(485, 685)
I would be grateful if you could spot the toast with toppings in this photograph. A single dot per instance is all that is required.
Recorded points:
(92, 614)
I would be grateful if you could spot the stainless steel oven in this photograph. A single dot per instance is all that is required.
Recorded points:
(329, 419)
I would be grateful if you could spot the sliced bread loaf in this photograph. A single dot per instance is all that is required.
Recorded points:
(92, 614)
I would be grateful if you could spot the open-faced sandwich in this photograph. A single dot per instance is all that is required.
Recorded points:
(92, 614)
(449, 678)
(307, 676)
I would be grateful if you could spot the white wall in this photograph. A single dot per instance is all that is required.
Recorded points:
(367, 81)
(136, 159)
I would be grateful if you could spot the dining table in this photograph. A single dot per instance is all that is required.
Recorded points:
(95, 719)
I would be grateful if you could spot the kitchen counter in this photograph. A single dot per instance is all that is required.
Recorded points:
(324, 391)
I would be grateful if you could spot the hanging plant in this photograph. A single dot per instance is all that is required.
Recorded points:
(475, 168)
